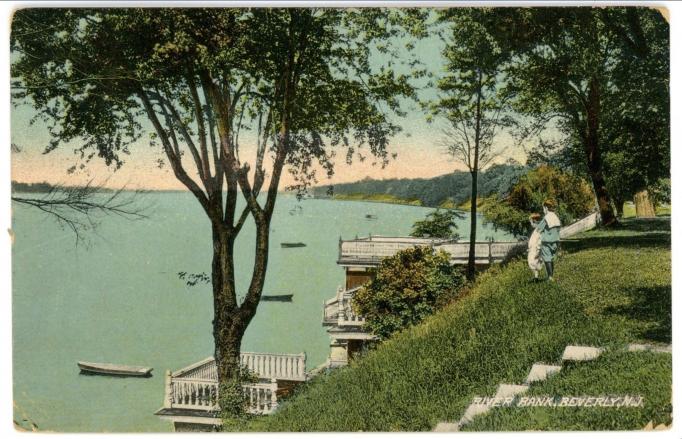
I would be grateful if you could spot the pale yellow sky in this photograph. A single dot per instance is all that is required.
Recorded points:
(418, 156)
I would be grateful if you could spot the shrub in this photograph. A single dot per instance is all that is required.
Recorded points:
(233, 402)
(408, 286)
(437, 224)
(573, 195)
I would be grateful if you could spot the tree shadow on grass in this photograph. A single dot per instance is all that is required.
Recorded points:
(630, 233)
(650, 240)
(652, 308)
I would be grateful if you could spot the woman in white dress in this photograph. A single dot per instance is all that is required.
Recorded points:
(534, 245)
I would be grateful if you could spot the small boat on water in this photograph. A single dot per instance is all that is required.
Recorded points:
(114, 369)
(278, 297)
(292, 244)
(370, 216)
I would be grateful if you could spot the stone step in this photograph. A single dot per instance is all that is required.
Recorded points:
(472, 411)
(444, 427)
(661, 349)
(510, 390)
(540, 372)
(581, 353)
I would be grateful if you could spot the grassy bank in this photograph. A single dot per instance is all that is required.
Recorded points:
(613, 287)
(614, 373)
(377, 198)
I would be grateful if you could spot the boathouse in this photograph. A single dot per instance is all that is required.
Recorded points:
(360, 256)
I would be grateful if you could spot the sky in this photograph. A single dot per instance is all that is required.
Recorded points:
(419, 150)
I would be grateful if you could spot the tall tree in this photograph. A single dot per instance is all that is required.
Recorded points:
(637, 110)
(567, 67)
(471, 102)
(190, 80)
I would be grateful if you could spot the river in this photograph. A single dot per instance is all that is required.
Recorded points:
(118, 299)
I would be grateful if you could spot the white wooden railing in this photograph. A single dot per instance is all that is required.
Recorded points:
(371, 252)
(587, 223)
(338, 310)
(276, 366)
(289, 367)
(261, 397)
(202, 394)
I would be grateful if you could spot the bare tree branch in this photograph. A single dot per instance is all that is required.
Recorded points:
(80, 208)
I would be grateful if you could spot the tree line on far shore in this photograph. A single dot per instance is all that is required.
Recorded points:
(449, 190)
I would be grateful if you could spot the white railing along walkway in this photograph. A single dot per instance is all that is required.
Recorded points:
(587, 223)
(371, 250)
(202, 394)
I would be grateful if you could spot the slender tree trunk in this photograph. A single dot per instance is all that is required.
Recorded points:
(471, 263)
(644, 207)
(593, 153)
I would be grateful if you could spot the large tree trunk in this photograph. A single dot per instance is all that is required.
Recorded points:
(644, 207)
(593, 153)
(232, 319)
(227, 330)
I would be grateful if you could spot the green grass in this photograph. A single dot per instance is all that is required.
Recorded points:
(629, 210)
(613, 374)
(613, 287)
(377, 198)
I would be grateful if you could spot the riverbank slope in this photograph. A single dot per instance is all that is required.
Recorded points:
(612, 288)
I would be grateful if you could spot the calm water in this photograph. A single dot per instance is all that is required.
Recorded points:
(119, 300)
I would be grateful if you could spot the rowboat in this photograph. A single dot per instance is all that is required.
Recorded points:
(292, 244)
(114, 369)
(277, 297)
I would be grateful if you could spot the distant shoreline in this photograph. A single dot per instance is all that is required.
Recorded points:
(386, 199)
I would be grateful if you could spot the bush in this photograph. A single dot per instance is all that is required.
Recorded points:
(573, 195)
(437, 224)
(233, 402)
(408, 286)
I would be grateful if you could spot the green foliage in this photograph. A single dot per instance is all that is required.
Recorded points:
(408, 287)
(471, 99)
(232, 400)
(573, 195)
(377, 198)
(599, 76)
(437, 224)
(624, 177)
(452, 189)
(430, 372)
(660, 192)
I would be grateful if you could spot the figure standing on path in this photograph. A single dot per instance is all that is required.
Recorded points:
(534, 244)
(549, 229)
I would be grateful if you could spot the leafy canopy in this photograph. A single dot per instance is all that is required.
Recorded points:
(573, 195)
